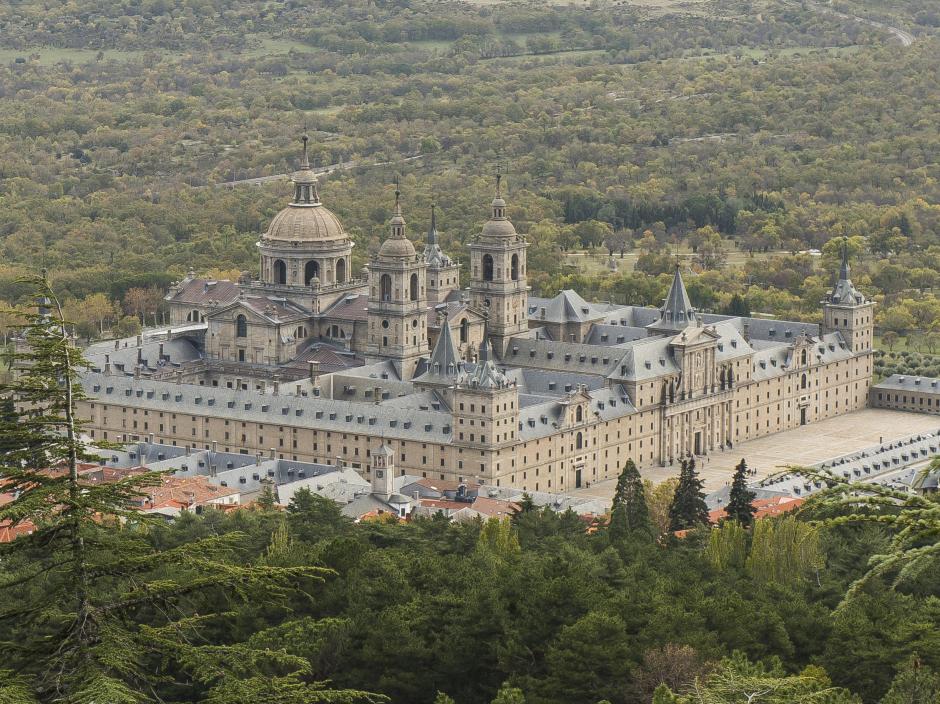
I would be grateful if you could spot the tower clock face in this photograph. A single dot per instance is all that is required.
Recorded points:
(379, 474)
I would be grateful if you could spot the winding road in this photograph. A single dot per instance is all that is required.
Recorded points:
(906, 38)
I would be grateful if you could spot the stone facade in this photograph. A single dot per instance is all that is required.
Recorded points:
(556, 394)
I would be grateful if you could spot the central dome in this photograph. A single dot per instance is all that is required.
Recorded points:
(305, 223)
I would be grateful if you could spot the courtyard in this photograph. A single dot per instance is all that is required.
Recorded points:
(805, 445)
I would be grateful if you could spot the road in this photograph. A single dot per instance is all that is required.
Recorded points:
(906, 38)
(343, 165)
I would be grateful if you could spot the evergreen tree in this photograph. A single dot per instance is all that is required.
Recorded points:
(688, 508)
(72, 591)
(629, 514)
(740, 505)
(915, 683)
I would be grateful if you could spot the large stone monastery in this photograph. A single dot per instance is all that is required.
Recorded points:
(486, 383)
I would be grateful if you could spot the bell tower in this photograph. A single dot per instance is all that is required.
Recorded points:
(398, 300)
(498, 274)
(847, 311)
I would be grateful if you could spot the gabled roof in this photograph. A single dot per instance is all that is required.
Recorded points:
(270, 308)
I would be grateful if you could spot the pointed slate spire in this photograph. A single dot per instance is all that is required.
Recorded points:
(444, 358)
(844, 292)
(677, 312)
(844, 268)
(432, 230)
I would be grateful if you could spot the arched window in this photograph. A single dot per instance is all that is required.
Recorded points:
(280, 272)
(385, 285)
(514, 267)
(241, 326)
(579, 441)
(464, 331)
(803, 357)
(341, 271)
(803, 382)
(413, 287)
(311, 269)
(193, 316)
(487, 267)
(578, 414)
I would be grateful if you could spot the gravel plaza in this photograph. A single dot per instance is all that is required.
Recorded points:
(805, 445)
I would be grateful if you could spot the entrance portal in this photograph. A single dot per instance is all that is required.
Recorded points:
(802, 416)
(698, 443)
(577, 479)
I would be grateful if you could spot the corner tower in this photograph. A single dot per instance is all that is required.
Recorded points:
(847, 311)
(498, 274)
(398, 300)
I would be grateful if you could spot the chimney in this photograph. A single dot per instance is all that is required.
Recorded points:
(137, 371)
(238, 383)
(271, 453)
(117, 344)
(339, 462)
(298, 389)
(160, 356)
(150, 438)
(213, 470)
(107, 364)
(179, 376)
(140, 340)
(747, 332)
(188, 450)
(377, 394)
(140, 355)
(263, 388)
(215, 446)
(258, 456)
(314, 369)
(276, 382)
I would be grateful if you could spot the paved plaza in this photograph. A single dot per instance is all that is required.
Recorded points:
(805, 445)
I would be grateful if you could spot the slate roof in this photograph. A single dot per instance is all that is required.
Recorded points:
(676, 312)
(202, 292)
(906, 382)
(304, 411)
(567, 306)
(349, 308)
(124, 359)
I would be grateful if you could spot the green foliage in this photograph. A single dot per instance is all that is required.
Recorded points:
(509, 695)
(629, 513)
(688, 509)
(915, 683)
(727, 546)
(740, 506)
(783, 550)
(92, 611)
(738, 680)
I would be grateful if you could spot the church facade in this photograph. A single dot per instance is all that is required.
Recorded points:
(488, 383)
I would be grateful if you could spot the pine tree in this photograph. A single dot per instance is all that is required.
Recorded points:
(73, 590)
(688, 508)
(915, 683)
(740, 505)
(629, 513)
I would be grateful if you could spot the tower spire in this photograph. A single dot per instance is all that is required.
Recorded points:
(398, 221)
(432, 230)
(306, 184)
(499, 205)
(844, 268)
